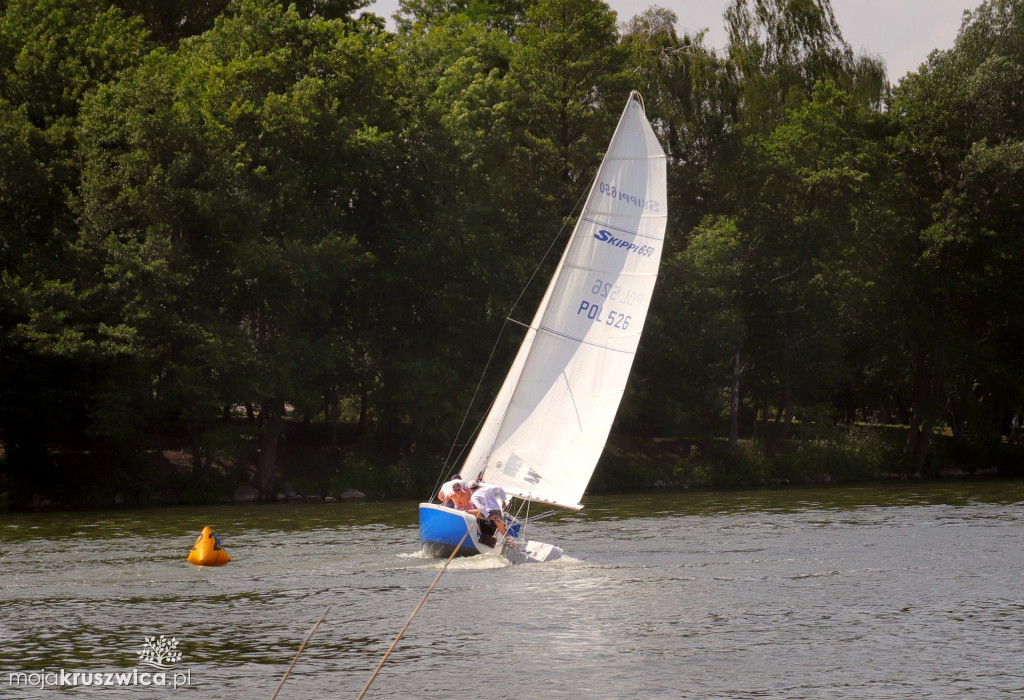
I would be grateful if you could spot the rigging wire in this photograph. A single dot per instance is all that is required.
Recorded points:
(448, 461)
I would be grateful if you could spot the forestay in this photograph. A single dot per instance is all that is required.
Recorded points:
(548, 425)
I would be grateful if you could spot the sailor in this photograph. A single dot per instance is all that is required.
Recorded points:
(486, 502)
(454, 494)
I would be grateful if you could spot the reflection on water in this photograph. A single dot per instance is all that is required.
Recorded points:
(894, 591)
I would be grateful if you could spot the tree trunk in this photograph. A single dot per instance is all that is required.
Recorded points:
(195, 444)
(266, 461)
(787, 392)
(364, 407)
(332, 423)
(921, 422)
(734, 402)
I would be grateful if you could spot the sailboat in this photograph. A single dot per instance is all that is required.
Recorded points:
(549, 422)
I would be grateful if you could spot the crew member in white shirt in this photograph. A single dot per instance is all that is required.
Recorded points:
(487, 501)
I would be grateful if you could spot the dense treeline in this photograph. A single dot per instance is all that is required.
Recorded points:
(212, 210)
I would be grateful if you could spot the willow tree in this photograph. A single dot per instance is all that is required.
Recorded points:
(690, 94)
(803, 107)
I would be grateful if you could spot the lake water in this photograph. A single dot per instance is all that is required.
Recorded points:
(906, 590)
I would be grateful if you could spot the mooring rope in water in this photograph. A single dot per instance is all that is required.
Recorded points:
(409, 621)
(299, 652)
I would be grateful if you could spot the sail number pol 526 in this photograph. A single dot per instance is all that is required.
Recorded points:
(614, 293)
(598, 315)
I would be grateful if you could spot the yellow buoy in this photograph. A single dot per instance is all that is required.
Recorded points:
(207, 550)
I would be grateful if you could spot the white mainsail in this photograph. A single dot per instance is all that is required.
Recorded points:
(549, 423)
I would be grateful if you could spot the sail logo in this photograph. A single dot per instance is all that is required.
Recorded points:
(641, 250)
(610, 190)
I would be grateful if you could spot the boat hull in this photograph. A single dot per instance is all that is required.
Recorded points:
(442, 529)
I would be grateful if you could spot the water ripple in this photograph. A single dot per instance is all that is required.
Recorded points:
(792, 595)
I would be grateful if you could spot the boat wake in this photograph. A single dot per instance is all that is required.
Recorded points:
(477, 562)
(415, 555)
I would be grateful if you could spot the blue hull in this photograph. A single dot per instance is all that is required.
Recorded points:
(441, 530)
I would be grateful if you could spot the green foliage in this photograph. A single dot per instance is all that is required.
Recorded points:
(959, 132)
(378, 477)
(52, 52)
(721, 468)
(229, 247)
(566, 53)
(205, 204)
(855, 454)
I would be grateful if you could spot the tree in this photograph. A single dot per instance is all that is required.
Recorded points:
(502, 15)
(782, 49)
(960, 130)
(511, 128)
(221, 186)
(691, 95)
(439, 276)
(788, 141)
(52, 54)
(567, 71)
(693, 333)
(695, 327)
(803, 226)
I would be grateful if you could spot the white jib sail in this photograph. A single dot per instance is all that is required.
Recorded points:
(548, 425)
